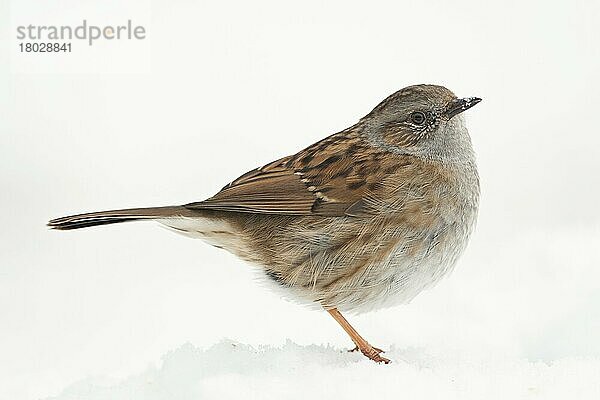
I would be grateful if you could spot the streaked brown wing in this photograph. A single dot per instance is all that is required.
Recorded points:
(327, 179)
(272, 189)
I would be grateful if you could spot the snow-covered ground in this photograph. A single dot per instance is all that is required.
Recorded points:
(230, 370)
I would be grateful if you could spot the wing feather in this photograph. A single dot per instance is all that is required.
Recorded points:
(330, 178)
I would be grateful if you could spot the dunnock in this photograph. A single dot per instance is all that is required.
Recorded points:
(365, 218)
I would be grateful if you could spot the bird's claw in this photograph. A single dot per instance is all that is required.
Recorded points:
(372, 353)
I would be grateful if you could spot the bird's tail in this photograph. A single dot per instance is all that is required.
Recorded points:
(117, 216)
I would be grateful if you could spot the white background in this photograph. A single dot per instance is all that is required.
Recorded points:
(224, 87)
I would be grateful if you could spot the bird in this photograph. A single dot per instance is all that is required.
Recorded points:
(365, 218)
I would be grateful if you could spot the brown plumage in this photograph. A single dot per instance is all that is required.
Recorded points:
(364, 218)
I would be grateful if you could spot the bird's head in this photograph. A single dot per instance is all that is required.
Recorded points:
(423, 120)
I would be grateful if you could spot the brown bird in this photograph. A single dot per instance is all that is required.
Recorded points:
(365, 218)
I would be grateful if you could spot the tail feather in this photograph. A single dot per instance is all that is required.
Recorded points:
(118, 216)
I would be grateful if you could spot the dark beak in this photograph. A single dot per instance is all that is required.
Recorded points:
(459, 105)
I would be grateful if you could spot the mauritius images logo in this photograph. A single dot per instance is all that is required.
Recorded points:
(88, 32)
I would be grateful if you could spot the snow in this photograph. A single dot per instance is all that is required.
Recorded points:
(230, 370)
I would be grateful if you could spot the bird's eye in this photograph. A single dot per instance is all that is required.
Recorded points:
(418, 118)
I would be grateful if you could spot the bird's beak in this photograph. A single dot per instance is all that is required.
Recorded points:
(457, 106)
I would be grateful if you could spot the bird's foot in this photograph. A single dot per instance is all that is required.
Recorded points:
(357, 349)
(372, 353)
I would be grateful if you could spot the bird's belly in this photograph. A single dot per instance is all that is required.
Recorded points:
(398, 278)
(404, 275)
(360, 268)
(335, 262)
